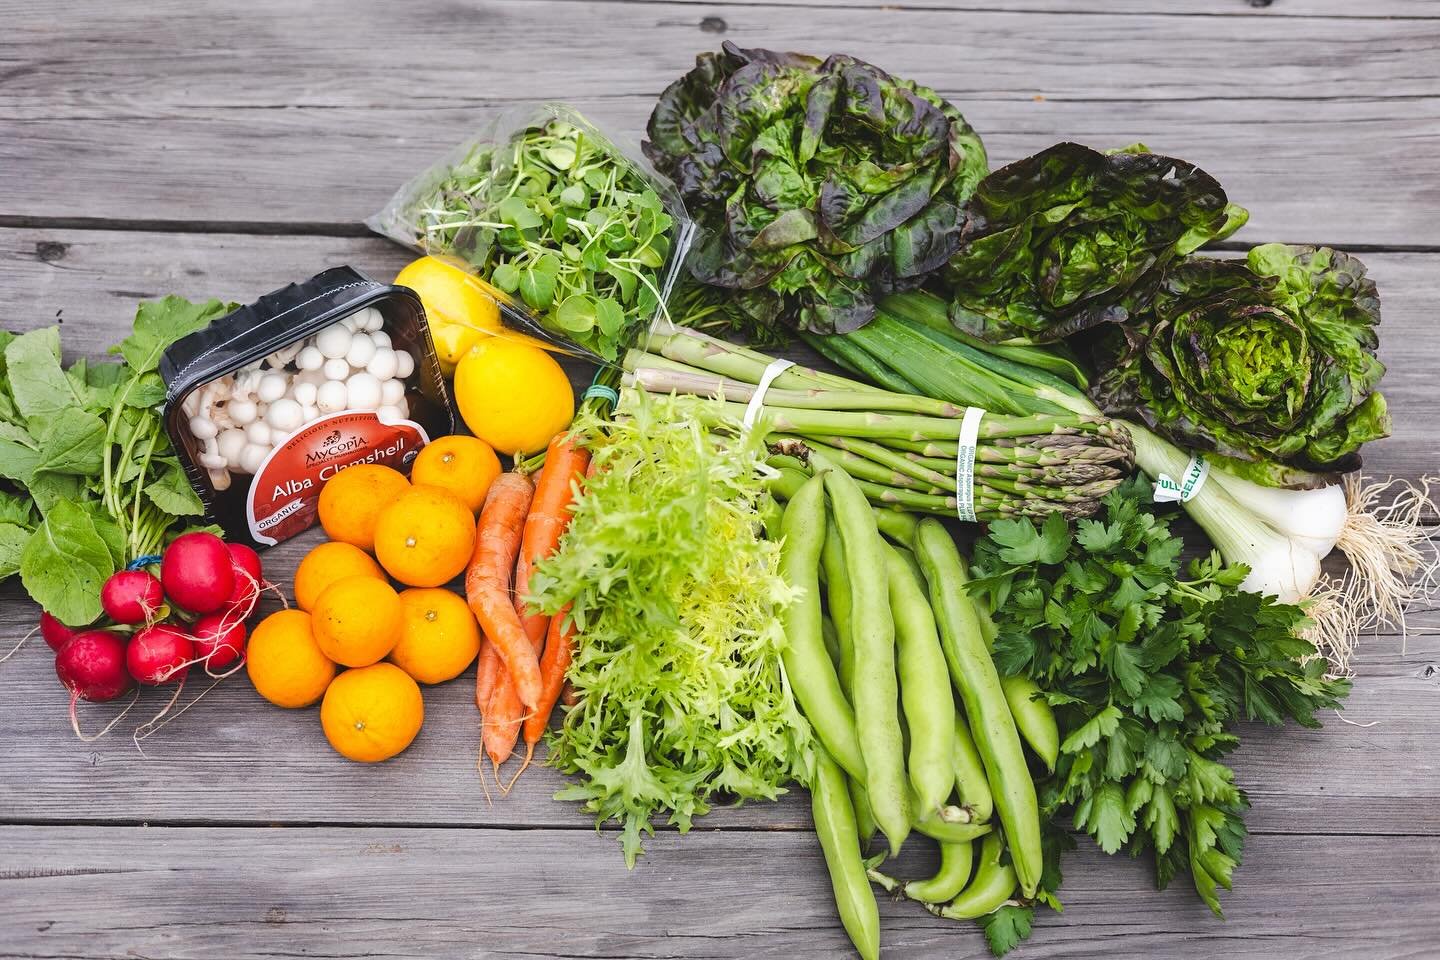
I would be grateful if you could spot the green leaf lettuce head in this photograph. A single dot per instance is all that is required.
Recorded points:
(817, 184)
(1148, 670)
(1268, 361)
(1066, 239)
(677, 600)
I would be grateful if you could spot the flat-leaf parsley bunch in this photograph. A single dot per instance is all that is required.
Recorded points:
(677, 603)
(1148, 671)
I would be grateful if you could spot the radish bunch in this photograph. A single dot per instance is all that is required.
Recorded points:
(193, 613)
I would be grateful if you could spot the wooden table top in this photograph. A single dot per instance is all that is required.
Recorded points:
(213, 149)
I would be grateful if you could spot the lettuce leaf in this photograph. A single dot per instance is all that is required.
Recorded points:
(677, 602)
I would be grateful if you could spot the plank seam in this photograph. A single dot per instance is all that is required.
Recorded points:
(176, 824)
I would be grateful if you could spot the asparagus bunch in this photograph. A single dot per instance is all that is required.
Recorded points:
(901, 447)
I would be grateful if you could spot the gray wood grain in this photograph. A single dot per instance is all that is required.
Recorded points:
(306, 123)
(390, 893)
(227, 149)
(1340, 9)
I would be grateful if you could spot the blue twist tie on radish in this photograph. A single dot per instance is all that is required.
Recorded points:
(145, 561)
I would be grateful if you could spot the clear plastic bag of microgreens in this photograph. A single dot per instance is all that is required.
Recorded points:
(578, 235)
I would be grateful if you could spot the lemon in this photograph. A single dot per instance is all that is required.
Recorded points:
(461, 308)
(513, 395)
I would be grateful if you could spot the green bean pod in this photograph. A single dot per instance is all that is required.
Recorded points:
(837, 597)
(865, 825)
(839, 841)
(946, 831)
(974, 674)
(772, 514)
(896, 524)
(872, 634)
(807, 663)
(956, 862)
(924, 686)
(1034, 718)
(971, 784)
(993, 884)
(832, 643)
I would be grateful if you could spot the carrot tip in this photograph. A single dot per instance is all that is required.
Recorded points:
(529, 755)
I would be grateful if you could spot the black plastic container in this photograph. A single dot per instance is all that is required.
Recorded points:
(269, 490)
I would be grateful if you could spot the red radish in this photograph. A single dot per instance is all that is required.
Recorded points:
(198, 572)
(219, 640)
(160, 654)
(245, 563)
(92, 667)
(132, 596)
(55, 633)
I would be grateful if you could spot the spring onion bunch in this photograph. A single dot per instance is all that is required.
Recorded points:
(902, 448)
(1280, 535)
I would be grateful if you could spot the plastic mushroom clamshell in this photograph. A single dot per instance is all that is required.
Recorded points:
(271, 401)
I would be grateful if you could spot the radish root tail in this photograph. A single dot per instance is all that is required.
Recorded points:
(75, 718)
(23, 640)
(149, 726)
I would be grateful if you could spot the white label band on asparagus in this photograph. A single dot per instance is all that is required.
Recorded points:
(1188, 486)
(757, 399)
(965, 464)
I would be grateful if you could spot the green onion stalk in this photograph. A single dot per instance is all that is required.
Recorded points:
(1280, 535)
(902, 448)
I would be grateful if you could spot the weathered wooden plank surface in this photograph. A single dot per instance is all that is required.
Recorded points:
(167, 122)
(1348, 9)
(144, 113)
(90, 281)
(390, 893)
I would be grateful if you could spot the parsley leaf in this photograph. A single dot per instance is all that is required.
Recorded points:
(1148, 669)
(1006, 928)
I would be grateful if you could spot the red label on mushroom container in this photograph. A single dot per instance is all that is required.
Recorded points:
(284, 495)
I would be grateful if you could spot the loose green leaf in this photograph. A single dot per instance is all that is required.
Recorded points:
(171, 491)
(72, 442)
(159, 323)
(13, 538)
(64, 563)
(1006, 928)
(37, 383)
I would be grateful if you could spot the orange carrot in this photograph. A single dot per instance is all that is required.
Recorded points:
(501, 728)
(565, 462)
(486, 674)
(549, 515)
(559, 648)
(487, 582)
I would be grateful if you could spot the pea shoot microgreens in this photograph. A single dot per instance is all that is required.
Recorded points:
(558, 218)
